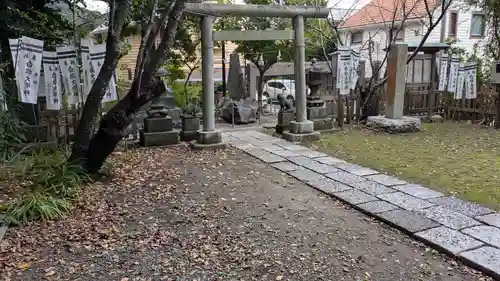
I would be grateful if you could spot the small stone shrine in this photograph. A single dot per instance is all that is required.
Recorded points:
(316, 109)
(190, 123)
(285, 115)
(158, 127)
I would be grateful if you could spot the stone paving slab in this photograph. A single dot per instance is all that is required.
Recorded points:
(328, 186)
(449, 218)
(285, 153)
(386, 180)
(285, 166)
(485, 233)
(375, 207)
(491, 219)
(356, 169)
(311, 153)
(407, 220)
(372, 188)
(271, 148)
(305, 175)
(448, 223)
(418, 191)
(291, 146)
(329, 160)
(449, 240)
(406, 201)
(264, 155)
(321, 168)
(485, 258)
(355, 196)
(345, 177)
(302, 160)
(465, 207)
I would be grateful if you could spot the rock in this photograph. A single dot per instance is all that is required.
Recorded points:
(245, 111)
(394, 126)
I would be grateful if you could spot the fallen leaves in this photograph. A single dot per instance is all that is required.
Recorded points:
(168, 215)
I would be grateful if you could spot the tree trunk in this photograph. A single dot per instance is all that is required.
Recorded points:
(118, 14)
(115, 123)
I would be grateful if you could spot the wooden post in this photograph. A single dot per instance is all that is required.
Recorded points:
(432, 91)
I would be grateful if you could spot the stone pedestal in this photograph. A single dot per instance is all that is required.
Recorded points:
(190, 128)
(319, 116)
(301, 131)
(404, 124)
(284, 119)
(208, 140)
(158, 131)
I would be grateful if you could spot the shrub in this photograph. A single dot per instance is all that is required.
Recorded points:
(11, 135)
(37, 206)
(50, 185)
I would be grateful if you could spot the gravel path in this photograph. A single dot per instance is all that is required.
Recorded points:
(173, 214)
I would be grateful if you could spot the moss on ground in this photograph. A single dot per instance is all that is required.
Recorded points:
(458, 159)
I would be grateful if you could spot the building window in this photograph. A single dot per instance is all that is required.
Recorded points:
(477, 25)
(453, 24)
(357, 37)
(398, 35)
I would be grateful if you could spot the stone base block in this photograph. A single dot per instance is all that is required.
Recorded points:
(189, 135)
(324, 124)
(212, 137)
(190, 124)
(280, 129)
(404, 124)
(157, 125)
(212, 146)
(159, 138)
(316, 113)
(313, 136)
(304, 127)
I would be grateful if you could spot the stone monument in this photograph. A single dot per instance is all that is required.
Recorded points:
(394, 121)
(158, 128)
(190, 123)
(285, 115)
(236, 80)
(316, 109)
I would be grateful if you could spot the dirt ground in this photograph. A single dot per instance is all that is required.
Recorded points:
(172, 214)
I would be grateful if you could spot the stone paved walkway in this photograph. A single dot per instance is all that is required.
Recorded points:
(462, 229)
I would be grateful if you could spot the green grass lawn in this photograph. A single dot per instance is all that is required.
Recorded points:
(457, 159)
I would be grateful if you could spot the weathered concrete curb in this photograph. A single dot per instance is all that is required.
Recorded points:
(464, 230)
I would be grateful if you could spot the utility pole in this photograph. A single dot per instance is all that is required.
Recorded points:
(223, 65)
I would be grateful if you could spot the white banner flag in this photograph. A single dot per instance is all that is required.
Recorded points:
(459, 89)
(29, 65)
(453, 76)
(85, 53)
(52, 75)
(354, 69)
(470, 71)
(97, 54)
(68, 64)
(14, 50)
(343, 71)
(443, 73)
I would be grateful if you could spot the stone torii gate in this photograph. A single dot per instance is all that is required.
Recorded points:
(210, 137)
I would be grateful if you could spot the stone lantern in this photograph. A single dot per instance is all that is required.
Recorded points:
(316, 109)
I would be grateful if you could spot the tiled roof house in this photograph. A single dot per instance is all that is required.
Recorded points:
(464, 24)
